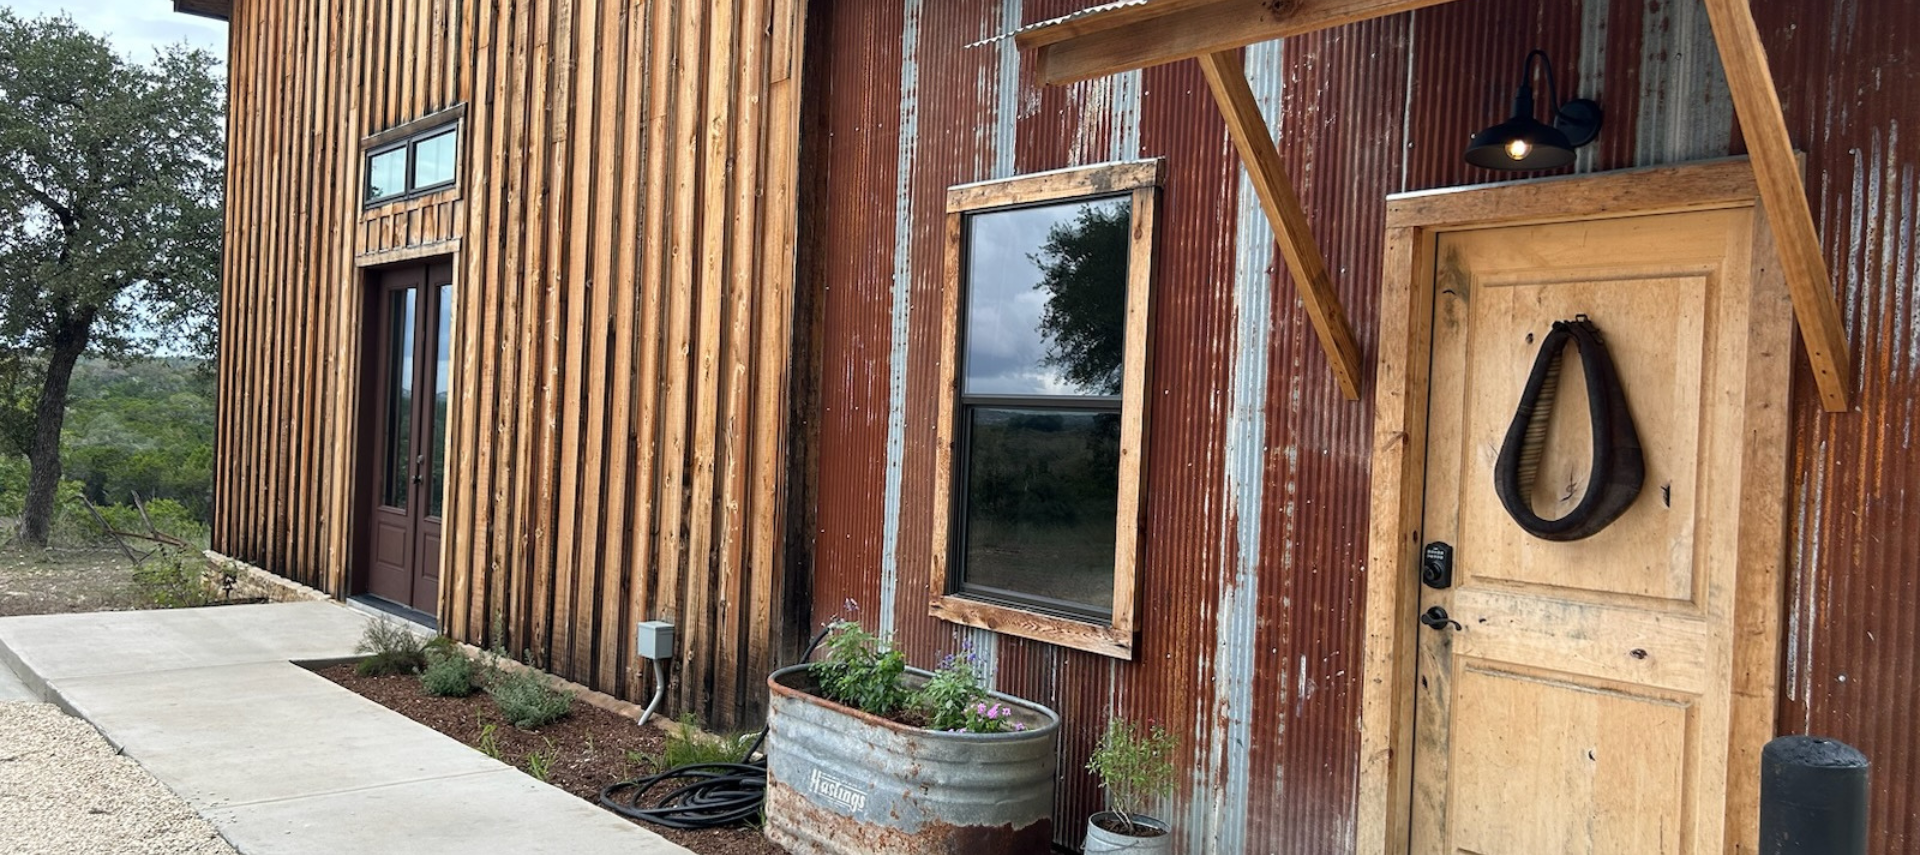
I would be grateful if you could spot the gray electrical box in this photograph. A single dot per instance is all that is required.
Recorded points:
(654, 639)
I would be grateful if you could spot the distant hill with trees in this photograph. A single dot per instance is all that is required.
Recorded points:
(144, 426)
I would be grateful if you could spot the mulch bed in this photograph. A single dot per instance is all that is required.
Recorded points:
(590, 748)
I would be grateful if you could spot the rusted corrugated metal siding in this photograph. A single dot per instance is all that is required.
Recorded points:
(1257, 478)
(1848, 82)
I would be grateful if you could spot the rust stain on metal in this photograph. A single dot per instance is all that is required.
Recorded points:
(1368, 110)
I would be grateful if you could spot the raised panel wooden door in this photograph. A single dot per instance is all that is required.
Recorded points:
(408, 387)
(1581, 704)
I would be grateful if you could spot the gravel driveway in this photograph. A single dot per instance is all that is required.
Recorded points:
(63, 791)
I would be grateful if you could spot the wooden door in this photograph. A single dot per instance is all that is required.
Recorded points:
(1583, 702)
(408, 378)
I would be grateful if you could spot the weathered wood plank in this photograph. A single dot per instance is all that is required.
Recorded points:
(747, 239)
(704, 575)
(573, 633)
(1129, 38)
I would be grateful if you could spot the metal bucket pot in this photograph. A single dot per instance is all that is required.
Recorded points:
(1102, 840)
(842, 782)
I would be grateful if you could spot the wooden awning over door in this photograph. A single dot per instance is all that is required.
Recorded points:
(1140, 33)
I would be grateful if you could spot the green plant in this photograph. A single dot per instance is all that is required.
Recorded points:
(489, 742)
(1135, 765)
(861, 670)
(391, 649)
(953, 699)
(540, 763)
(527, 698)
(638, 760)
(173, 578)
(449, 672)
(686, 747)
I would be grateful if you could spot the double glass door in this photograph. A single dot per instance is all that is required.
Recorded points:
(410, 329)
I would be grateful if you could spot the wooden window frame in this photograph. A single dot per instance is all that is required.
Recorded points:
(1140, 181)
(407, 137)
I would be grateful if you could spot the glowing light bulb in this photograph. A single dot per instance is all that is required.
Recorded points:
(1519, 149)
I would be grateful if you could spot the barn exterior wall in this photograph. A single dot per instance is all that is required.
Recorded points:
(625, 240)
(1257, 470)
(621, 234)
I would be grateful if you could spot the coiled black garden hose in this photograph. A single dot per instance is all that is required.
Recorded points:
(703, 795)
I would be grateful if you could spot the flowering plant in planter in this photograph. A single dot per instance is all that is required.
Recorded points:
(869, 755)
(1135, 765)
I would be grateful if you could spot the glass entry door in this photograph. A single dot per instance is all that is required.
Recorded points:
(408, 367)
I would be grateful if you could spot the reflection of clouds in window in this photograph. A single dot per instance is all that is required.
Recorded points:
(387, 174)
(1006, 346)
(434, 157)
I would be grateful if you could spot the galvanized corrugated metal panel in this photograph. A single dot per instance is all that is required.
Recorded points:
(1258, 488)
(1313, 523)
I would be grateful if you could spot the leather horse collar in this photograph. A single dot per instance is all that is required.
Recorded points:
(1618, 467)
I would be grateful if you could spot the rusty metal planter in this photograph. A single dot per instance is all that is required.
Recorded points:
(842, 781)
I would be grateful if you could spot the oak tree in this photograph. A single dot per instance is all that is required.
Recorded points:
(110, 218)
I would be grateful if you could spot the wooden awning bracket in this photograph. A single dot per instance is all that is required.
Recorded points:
(1777, 170)
(1133, 34)
(1228, 80)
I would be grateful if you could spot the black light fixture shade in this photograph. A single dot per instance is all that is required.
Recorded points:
(1524, 142)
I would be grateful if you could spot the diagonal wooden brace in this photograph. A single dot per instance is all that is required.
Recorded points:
(1777, 171)
(1228, 80)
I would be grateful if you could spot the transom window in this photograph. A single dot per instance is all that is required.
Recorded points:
(416, 158)
(1046, 323)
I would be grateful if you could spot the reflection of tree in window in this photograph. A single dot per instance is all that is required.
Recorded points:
(1042, 475)
(1084, 272)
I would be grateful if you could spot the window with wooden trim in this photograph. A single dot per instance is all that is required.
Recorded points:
(414, 159)
(1043, 412)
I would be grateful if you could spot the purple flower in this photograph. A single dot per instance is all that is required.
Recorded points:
(1019, 725)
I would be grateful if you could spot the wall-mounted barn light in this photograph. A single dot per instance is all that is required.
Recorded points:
(1523, 142)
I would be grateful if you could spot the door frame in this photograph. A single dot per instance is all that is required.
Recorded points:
(1401, 379)
(366, 442)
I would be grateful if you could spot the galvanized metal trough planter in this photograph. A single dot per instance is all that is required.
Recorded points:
(845, 782)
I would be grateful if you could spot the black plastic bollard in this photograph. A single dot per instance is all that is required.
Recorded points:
(1813, 797)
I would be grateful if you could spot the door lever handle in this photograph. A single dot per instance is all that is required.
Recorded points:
(1436, 618)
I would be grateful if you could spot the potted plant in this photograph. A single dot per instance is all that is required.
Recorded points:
(1135, 765)
(867, 755)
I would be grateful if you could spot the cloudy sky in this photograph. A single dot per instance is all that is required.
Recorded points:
(1005, 344)
(136, 27)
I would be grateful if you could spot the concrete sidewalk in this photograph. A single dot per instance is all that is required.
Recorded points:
(281, 760)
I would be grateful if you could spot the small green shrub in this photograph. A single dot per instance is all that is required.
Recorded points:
(1135, 765)
(391, 649)
(861, 670)
(173, 578)
(449, 672)
(528, 699)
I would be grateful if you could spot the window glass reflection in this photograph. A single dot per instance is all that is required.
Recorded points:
(1042, 492)
(433, 160)
(399, 427)
(1046, 299)
(442, 377)
(387, 174)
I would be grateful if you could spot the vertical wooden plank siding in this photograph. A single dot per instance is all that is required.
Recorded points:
(622, 236)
